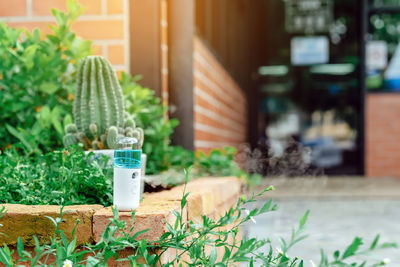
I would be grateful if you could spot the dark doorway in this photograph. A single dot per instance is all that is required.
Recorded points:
(319, 105)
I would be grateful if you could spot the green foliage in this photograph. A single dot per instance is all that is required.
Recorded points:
(36, 82)
(353, 250)
(59, 177)
(221, 162)
(194, 243)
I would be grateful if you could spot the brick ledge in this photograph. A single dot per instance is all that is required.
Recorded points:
(208, 196)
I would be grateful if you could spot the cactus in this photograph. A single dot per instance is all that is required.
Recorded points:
(70, 139)
(98, 109)
(130, 123)
(93, 129)
(112, 136)
(98, 96)
(95, 145)
(71, 128)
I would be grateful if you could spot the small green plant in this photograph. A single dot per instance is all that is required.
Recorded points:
(36, 82)
(59, 177)
(99, 113)
(221, 162)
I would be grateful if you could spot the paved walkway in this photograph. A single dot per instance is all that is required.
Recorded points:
(341, 208)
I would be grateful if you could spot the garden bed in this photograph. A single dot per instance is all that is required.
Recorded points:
(208, 196)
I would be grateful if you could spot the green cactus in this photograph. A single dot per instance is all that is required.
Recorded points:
(98, 109)
(70, 139)
(141, 136)
(112, 136)
(103, 139)
(71, 128)
(95, 145)
(93, 129)
(130, 123)
(98, 98)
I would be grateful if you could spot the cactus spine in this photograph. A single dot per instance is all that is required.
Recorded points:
(98, 108)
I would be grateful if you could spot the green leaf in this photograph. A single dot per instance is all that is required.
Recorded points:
(336, 254)
(213, 256)
(4, 258)
(303, 220)
(55, 120)
(375, 242)
(48, 88)
(227, 254)
(67, 120)
(108, 254)
(71, 247)
(22, 137)
(352, 249)
(266, 207)
(20, 247)
(134, 236)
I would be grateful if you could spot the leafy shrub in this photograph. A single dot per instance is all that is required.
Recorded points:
(221, 162)
(37, 82)
(59, 177)
(194, 243)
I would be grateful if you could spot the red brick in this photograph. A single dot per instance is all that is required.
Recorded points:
(43, 7)
(236, 108)
(151, 215)
(25, 221)
(116, 54)
(107, 29)
(222, 76)
(199, 100)
(200, 118)
(228, 86)
(213, 137)
(382, 131)
(12, 8)
(115, 6)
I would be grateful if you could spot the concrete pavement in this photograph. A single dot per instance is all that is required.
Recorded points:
(341, 208)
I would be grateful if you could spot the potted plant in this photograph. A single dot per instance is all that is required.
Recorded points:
(98, 109)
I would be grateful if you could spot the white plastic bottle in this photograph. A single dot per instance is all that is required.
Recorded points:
(127, 174)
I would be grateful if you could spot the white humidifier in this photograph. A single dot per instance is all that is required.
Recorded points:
(127, 174)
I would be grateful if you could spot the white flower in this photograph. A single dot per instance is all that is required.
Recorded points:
(251, 217)
(313, 264)
(386, 261)
(279, 250)
(67, 263)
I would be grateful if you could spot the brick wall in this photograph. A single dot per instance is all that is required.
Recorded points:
(382, 135)
(220, 111)
(103, 21)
